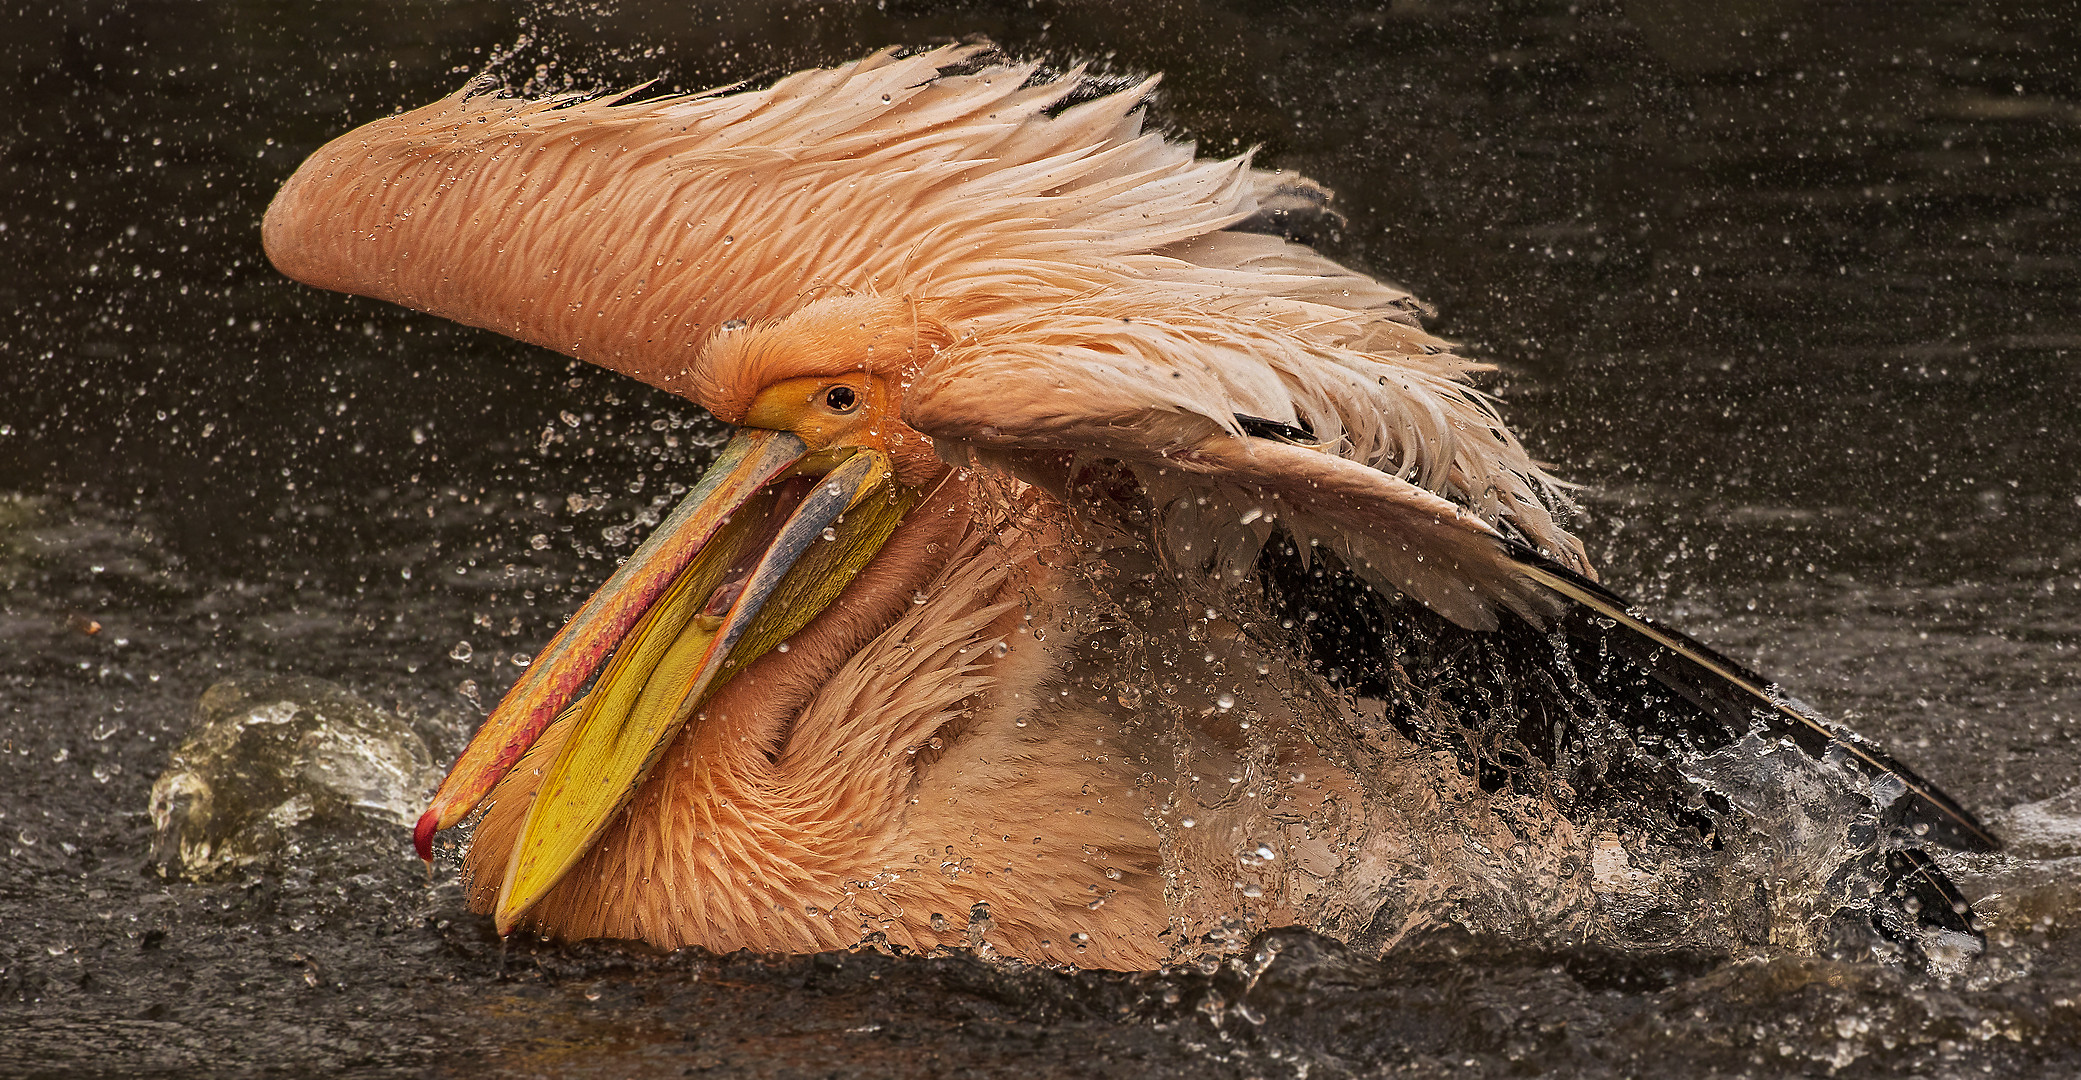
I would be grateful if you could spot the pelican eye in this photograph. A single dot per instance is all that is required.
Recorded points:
(841, 399)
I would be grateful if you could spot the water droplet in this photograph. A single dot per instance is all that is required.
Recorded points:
(830, 533)
(999, 649)
(1225, 702)
(1252, 514)
(1188, 822)
(919, 598)
(1252, 891)
(539, 541)
(782, 647)
(521, 659)
(731, 239)
(733, 325)
(1113, 872)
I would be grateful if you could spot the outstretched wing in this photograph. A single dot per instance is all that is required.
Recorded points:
(1224, 489)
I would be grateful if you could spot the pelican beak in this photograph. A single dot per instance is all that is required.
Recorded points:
(766, 541)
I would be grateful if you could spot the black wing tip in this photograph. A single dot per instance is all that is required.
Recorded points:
(1932, 899)
(1934, 816)
(1970, 836)
(1299, 433)
(1951, 825)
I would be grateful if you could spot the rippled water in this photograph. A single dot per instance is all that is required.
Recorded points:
(1789, 286)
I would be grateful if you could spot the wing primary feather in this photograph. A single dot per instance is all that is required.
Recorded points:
(1716, 683)
(1939, 905)
(1298, 433)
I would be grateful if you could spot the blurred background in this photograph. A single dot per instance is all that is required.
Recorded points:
(1791, 287)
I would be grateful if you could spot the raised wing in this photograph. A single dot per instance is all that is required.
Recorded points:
(1220, 492)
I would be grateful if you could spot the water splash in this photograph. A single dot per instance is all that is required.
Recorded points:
(267, 759)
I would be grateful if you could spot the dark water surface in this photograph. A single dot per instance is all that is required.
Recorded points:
(1794, 289)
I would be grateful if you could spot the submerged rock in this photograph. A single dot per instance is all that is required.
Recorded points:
(270, 760)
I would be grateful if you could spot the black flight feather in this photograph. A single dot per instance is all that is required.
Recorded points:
(1738, 697)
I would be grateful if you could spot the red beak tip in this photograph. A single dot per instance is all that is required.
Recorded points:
(423, 836)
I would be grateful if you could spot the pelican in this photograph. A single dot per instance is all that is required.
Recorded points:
(982, 631)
